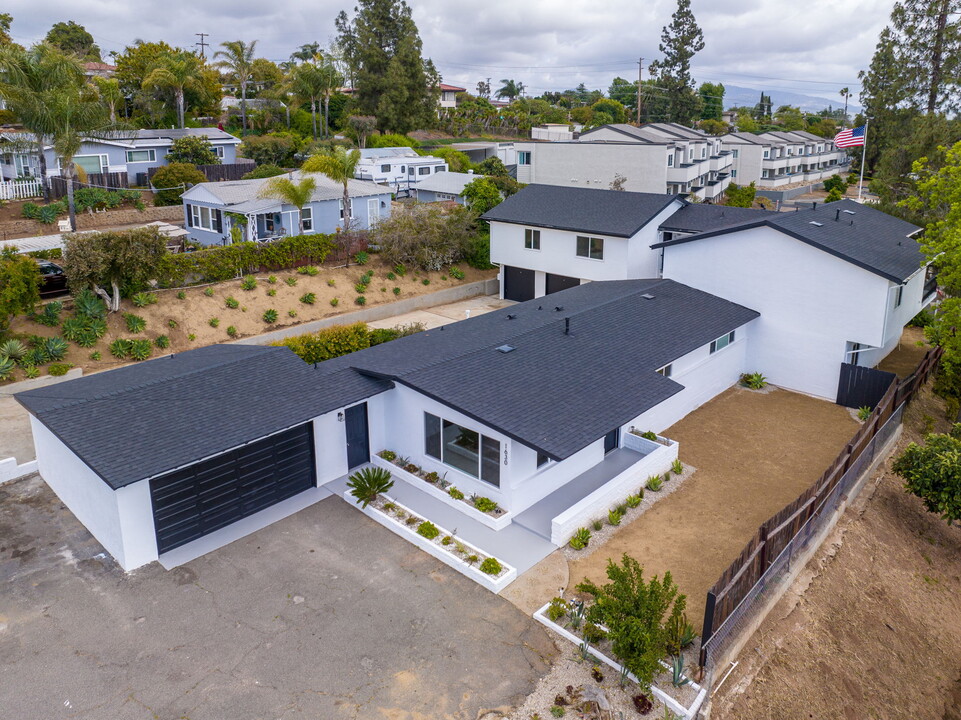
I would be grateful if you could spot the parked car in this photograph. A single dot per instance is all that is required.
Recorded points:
(53, 278)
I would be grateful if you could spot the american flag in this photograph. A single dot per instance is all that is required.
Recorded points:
(850, 138)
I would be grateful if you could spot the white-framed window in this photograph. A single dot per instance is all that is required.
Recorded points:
(767, 153)
(704, 152)
(439, 168)
(204, 218)
(385, 168)
(532, 239)
(722, 342)
(340, 207)
(218, 151)
(820, 148)
(307, 217)
(91, 164)
(665, 371)
(523, 157)
(735, 153)
(373, 212)
(690, 155)
(733, 173)
(898, 295)
(141, 156)
(423, 171)
(790, 151)
(670, 159)
(590, 247)
(462, 449)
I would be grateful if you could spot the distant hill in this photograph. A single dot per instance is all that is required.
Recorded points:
(736, 96)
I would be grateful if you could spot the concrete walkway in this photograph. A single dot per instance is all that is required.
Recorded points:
(443, 314)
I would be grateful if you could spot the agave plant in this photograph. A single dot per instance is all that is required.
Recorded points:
(140, 349)
(7, 367)
(368, 483)
(677, 672)
(55, 348)
(88, 304)
(35, 356)
(120, 348)
(13, 350)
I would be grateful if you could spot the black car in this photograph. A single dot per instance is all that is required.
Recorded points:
(53, 278)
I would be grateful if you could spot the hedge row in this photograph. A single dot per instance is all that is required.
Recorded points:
(224, 263)
(340, 340)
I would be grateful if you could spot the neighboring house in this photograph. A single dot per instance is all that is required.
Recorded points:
(653, 158)
(208, 208)
(548, 238)
(228, 103)
(553, 132)
(480, 151)
(448, 95)
(399, 167)
(98, 69)
(480, 402)
(445, 187)
(134, 153)
(834, 284)
(774, 159)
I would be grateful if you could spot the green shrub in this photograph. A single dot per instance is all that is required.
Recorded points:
(391, 276)
(557, 609)
(270, 316)
(491, 566)
(162, 342)
(120, 348)
(292, 313)
(614, 517)
(7, 368)
(135, 323)
(231, 302)
(388, 455)
(922, 319)
(272, 280)
(13, 350)
(754, 381)
(360, 300)
(308, 270)
(594, 634)
(59, 369)
(143, 299)
(455, 493)
(478, 252)
(140, 349)
(172, 324)
(175, 176)
(368, 483)
(457, 273)
(181, 295)
(654, 483)
(676, 467)
(90, 305)
(360, 288)
(328, 343)
(84, 330)
(55, 348)
(232, 331)
(272, 292)
(428, 530)
(557, 711)
(264, 171)
(30, 372)
(248, 283)
(649, 435)
(396, 291)
(331, 282)
(864, 412)
(334, 302)
(213, 322)
(426, 281)
(50, 316)
(308, 298)
(597, 525)
(400, 270)
(95, 356)
(580, 539)
(361, 258)
(291, 281)
(484, 504)
(378, 336)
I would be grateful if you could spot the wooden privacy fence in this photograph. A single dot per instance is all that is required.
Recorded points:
(109, 181)
(773, 537)
(216, 173)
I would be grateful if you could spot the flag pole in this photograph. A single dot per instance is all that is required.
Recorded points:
(864, 152)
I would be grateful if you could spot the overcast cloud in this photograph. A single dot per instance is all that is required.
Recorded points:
(813, 47)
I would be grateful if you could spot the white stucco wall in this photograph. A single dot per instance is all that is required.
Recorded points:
(595, 164)
(811, 303)
(896, 317)
(136, 523)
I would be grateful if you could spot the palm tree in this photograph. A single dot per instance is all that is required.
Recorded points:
(178, 73)
(510, 90)
(339, 166)
(307, 83)
(238, 60)
(846, 94)
(296, 194)
(110, 94)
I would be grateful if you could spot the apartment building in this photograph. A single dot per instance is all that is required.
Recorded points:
(775, 159)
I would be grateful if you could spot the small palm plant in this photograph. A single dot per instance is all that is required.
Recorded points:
(368, 483)
(287, 191)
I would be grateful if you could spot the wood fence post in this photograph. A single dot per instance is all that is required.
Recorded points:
(763, 534)
(707, 629)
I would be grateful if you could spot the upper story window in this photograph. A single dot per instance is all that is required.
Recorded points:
(767, 153)
(670, 159)
(523, 157)
(139, 156)
(532, 239)
(735, 153)
(589, 247)
(462, 449)
(790, 152)
(820, 148)
(722, 342)
(704, 152)
(690, 155)
(898, 295)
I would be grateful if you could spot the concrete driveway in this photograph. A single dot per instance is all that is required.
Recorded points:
(322, 615)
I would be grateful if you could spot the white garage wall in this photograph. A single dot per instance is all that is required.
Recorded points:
(330, 447)
(136, 524)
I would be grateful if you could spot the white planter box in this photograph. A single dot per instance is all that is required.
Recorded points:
(657, 461)
(495, 523)
(687, 713)
(410, 534)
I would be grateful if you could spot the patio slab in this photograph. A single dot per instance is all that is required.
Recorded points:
(515, 545)
(538, 517)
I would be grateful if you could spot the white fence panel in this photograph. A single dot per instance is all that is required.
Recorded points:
(20, 189)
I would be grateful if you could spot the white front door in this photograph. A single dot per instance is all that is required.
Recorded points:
(373, 212)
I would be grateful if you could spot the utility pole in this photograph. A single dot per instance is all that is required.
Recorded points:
(202, 44)
(640, 76)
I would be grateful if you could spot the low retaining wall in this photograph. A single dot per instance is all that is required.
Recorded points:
(380, 312)
(658, 461)
(791, 193)
(9, 470)
(10, 229)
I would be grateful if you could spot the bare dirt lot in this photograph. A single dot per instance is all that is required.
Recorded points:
(904, 359)
(872, 628)
(754, 453)
(179, 319)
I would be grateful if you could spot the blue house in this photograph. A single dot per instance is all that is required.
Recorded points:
(443, 187)
(210, 209)
(133, 153)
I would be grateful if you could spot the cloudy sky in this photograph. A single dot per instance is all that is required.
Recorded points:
(813, 47)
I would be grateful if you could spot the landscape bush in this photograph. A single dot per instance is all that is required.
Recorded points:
(176, 177)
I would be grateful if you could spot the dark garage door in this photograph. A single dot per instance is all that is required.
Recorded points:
(518, 283)
(556, 283)
(209, 495)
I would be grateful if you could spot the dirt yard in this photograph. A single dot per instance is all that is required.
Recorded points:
(754, 453)
(903, 360)
(872, 627)
(187, 321)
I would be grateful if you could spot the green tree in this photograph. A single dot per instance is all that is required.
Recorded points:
(510, 89)
(481, 195)
(624, 92)
(19, 286)
(6, 20)
(273, 149)
(293, 193)
(73, 39)
(428, 236)
(790, 118)
(612, 108)
(455, 159)
(108, 90)
(746, 123)
(637, 614)
(313, 83)
(237, 60)
(929, 52)
(178, 177)
(680, 42)
(362, 126)
(394, 83)
(713, 127)
(193, 149)
(115, 259)
(339, 165)
(492, 166)
(933, 472)
(712, 100)
(177, 74)
(938, 201)
(740, 195)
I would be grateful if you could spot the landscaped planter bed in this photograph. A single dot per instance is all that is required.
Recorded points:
(458, 554)
(497, 518)
(684, 701)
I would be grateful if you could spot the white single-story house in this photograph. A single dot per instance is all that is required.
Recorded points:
(399, 167)
(187, 446)
(445, 187)
(834, 284)
(134, 153)
(211, 208)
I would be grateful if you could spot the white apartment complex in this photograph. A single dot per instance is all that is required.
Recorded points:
(775, 159)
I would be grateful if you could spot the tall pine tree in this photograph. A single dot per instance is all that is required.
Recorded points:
(392, 80)
(680, 41)
(929, 51)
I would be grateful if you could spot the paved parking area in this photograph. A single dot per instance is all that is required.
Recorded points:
(443, 314)
(322, 615)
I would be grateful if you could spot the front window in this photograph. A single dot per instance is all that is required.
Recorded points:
(588, 247)
(340, 205)
(524, 157)
(532, 239)
(91, 164)
(307, 216)
(218, 150)
(462, 448)
(203, 218)
(141, 156)
(722, 342)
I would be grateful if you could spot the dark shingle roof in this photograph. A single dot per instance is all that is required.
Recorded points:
(146, 419)
(701, 217)
(861, 235)
(605, 212)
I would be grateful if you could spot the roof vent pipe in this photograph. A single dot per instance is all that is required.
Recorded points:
(814, 205)
(837, 215)
(567, 326)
